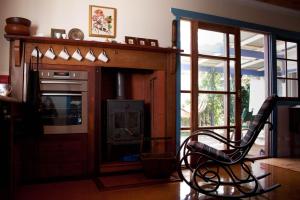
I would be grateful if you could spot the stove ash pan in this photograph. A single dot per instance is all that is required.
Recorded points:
(125, 121)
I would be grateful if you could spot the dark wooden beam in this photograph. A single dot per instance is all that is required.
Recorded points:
(291, 4)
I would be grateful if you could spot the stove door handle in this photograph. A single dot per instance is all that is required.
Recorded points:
(61, 82)
(61, 94)
(129, 131)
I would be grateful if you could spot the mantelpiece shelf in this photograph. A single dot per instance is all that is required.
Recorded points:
(120, 55)
(88, 43)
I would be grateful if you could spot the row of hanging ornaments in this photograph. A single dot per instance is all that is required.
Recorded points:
(66, 56)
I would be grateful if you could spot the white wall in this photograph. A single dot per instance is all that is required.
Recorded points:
(141, 18)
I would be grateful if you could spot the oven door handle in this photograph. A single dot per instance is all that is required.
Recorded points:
(61, 94)
(61, 82)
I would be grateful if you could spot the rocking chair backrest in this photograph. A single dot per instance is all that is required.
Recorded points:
(259, 121)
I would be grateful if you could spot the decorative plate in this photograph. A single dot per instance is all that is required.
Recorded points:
(76, 34)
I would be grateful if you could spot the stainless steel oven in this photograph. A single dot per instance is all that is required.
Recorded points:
(64, 101)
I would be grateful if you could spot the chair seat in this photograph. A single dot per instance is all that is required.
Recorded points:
(195, 146)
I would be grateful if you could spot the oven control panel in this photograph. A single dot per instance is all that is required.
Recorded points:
(61, 74)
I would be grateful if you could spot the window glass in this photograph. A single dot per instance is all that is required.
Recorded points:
(185, 36)
(291, 50)
(292, 90)
(231, 46)
(281, 68)
(211, 43)
(280, 49)
(209, 140)
(232, 110)
(287, 69)
(211, 74)
(232, 75)
(281, 87)
(211, 110)
(185, 102)
(185, 73)
(292, 71)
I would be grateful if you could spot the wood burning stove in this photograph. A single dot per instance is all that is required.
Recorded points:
(125, 123)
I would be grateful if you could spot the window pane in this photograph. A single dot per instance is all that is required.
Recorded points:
(280, 48)
(259, 146)
(281, 87)
(185, 102)
(232, 76)
(183, 135)
(211, 109)
(246, 114)
(231, 46)
(211, 43)
(185, 36)
(211, 74)
(281, 69)
(292, 88)
(232, 110)
(212, 142)
(232, 136)
(287, 68)
(291, 50)
(185, 83)
(292, 69)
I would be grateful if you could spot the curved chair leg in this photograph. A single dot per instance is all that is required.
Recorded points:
(207, 180)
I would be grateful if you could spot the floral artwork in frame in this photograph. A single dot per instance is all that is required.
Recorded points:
(102, 21)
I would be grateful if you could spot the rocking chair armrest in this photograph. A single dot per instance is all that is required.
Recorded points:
(215, 136)
(238, 141)
(212, 133)
(271, 125)
(201, 132)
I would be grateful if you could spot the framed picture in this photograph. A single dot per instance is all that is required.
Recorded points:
(142, 41)
(130, 40)
(57, 33)
(102, 21)
(153, 43)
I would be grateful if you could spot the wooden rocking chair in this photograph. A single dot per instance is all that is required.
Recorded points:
(204, 162)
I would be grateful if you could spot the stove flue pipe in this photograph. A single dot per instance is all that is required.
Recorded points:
(120, 86)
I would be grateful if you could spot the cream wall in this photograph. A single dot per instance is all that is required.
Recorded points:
(141, 18)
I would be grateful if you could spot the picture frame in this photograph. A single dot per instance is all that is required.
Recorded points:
(153, 43)
(102, 21)
(142, 41)
(55, 31)
(130, 40)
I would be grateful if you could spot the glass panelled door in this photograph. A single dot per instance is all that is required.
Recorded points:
(216, 96)
(254, 85)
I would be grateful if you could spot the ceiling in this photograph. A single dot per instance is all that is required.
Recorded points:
(291, 4)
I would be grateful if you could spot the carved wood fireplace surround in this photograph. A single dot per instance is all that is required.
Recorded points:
(149, 76)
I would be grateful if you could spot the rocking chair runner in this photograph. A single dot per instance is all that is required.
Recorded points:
(204, 161)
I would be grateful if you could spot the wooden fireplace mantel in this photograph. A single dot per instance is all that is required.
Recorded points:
(160, 61)
(89, 43)
(120, 55)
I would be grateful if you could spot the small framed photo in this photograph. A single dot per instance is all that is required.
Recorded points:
(153, 43)
(102, 21)
(130, 40)
(142, 41)
(57, 33)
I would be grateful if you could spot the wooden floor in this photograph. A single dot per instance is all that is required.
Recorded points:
(87, 190)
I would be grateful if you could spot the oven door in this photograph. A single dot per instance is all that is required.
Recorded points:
(63, 111)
